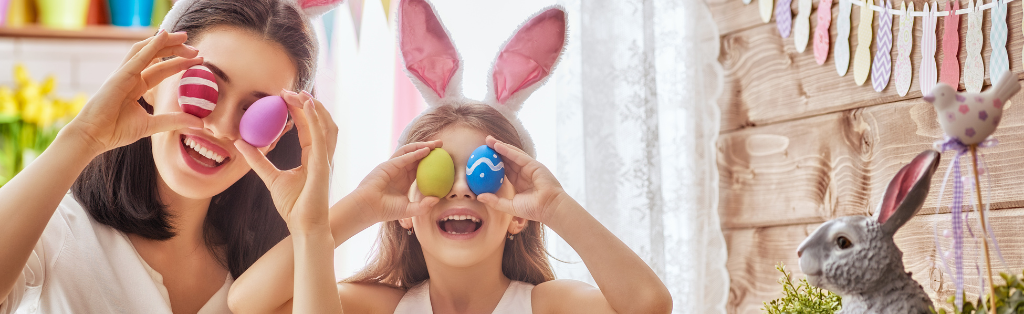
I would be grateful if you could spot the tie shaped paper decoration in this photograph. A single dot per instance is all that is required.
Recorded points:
(928, 74)
(821, 35)
(862, 59)
(974, 67)
(904, 45)
(802, 26)
(842, 49)
(998, 61)
(882, 66)
(784, 17)
(765, 6)
(950, 71)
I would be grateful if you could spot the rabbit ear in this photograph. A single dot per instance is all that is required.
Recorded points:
(314, 8)
(430, 58)
(527, 59)
(907, 191)
(177, 9)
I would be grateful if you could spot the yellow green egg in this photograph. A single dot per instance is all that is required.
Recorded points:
(436, 173)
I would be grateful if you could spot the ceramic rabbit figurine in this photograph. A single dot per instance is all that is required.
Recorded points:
(856, 258)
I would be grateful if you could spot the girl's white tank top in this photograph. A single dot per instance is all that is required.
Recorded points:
(516, 300)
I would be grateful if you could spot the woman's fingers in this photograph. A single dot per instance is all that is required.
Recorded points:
(318, 163)
(301, 123)
(140, 60)
(330, 128)
(160, 71)
(171, 121)
(259, 163)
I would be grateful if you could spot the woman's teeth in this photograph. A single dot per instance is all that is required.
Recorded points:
(203, 151)
(460, 217)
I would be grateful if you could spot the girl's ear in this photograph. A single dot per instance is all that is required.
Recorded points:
(429, 57)
(517, 225)
(527, 59)
(406, 223)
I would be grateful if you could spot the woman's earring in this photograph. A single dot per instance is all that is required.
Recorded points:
(408, 231)
(510, 237)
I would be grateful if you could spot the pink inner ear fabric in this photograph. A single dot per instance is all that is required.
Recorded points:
(426, 48)
(530, 55)
(316, 3)
(901, 184)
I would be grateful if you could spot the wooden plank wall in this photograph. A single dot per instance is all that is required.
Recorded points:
(800, 145)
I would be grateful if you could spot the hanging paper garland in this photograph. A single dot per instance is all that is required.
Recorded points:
(784, 17)
(842, 50)
(766, 9)
(928, 74)
(882, 66)
(974, 67)
(998, 61)
(950, 71)
(862, 59)
(821, 35)
(802, 27)
(904, 45)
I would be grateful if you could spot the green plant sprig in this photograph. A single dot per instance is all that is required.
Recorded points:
(801, 298)
(1009, 299)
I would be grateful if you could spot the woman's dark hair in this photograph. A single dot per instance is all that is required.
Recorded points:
(119, 187)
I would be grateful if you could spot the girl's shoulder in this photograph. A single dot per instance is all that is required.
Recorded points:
(369, 297)
(568, 296)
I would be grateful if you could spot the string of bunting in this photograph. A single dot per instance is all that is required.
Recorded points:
(880, 68)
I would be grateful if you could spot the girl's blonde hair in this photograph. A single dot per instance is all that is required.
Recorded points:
(398, 258)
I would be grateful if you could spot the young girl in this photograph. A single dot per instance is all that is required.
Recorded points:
(162, 211)
(463, 252)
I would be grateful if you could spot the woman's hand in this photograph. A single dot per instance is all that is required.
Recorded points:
(113, 117)
(538, 194)
(301, 194)
(384, 193)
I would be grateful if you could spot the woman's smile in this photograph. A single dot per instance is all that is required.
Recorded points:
(202, 155)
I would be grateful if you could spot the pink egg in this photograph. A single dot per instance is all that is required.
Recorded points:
(263, 122)
(197, 91)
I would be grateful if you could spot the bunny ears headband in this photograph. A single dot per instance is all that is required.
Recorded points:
(522, 65)
(309, 8)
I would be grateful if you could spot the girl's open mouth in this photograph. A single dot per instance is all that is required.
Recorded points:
(202, 155)
(459, 224)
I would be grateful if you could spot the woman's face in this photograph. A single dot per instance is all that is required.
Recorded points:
(460, 231)
(247, 68)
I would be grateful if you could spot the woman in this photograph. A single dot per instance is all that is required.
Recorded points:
(151, 224)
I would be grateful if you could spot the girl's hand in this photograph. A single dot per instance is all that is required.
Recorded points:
(300, 194)
(385, 191)
(538, 193)
(114, 118)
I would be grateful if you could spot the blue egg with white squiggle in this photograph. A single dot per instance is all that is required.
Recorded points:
(485, 172)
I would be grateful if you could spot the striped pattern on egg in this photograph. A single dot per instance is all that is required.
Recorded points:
(485, 172)
(197, 91)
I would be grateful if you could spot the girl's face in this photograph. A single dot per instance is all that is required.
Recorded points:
(247, 68)
(460, 231)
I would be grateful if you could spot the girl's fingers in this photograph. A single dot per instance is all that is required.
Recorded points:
(160, 71)
(492, 201)
(510, 152)
(411, 147)
(395, 166)
(259, 163)
(172, 121)
(423, 206)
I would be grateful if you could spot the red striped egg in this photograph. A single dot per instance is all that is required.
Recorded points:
(197, 91)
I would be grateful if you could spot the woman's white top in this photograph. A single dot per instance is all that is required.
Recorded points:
(82, 266)
(516, 300)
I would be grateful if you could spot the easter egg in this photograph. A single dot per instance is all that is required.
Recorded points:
(197, 91)
(485, 172)
(436, 173)
(263, 122)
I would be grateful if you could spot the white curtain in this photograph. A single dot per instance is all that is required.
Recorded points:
(628, 124)
(637, 123)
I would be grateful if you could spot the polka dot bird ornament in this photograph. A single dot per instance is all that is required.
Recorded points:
(968, 120)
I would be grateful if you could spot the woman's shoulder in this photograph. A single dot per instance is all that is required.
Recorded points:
(568, 296)
(369, 297)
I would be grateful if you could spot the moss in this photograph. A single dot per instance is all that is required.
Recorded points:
(801, 298)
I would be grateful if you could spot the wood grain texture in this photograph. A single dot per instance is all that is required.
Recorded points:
(753, 253)
(818, 168)
(767, 81)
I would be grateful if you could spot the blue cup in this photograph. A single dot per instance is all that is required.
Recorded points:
(131, 12)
